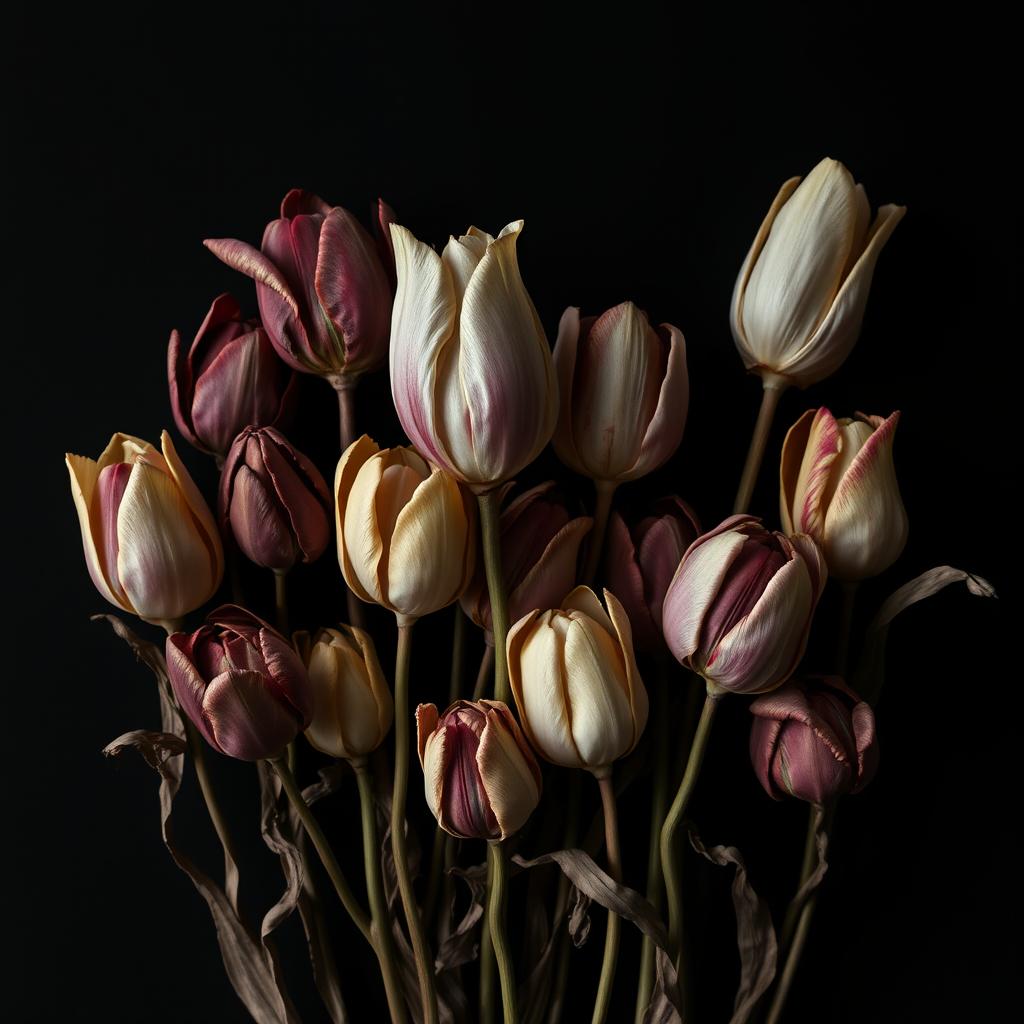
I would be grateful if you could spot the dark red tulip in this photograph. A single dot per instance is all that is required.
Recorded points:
(241, 684)
(813, 739)
(274, 501)
(230, 377)
(641, 561)
(323, 291)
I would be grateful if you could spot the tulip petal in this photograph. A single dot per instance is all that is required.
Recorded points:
(665, 429)
(258, 523)
(583, 599)
(637, 692)
(186, 680)
(764, 736)
(545, 584)
(298, 201)
(866, 740)
(378, 684)
(250, 261)
(426, 723)
(794, 454)
(179, 383)
(433, 760)
(363, 519)
(512, 788)
(817, 473)
(286, 675)
(247, 720)
(566, 351)
(660, 552)
(626, 580)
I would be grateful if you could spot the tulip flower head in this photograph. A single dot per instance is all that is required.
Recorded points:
(229, 378)
(642, 559)
(624, 393)
(480, 776)
(800, 296)
(241, 683)
(274, 501)
(738, 610)
(352, 705)
(838, 484)
(471, 371)
(151, 543)
(574, 676)
(323, 292)
(406, 531)
(539, 550)
(814, 740)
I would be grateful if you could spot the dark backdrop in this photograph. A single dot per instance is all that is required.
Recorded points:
(642, 147)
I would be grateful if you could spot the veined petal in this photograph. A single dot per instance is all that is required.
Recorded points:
(248, 260)
(566, 351)
(512, 789)
(637, 693)
(247, 721)
(665, 429)
(351, 461)
(816, 437)
(360, 542)
(188, 685)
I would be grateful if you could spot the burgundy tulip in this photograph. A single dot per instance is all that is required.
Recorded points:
(323, 290)
(813, 739)
(241, 684)
(540, 544)
(274, 501)
(641, 561)
(229, 378)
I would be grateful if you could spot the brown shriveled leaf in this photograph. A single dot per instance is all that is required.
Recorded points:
(463, 945)
(755, 935)
(249, 966)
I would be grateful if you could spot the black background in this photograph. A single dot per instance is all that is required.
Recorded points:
(642, 147)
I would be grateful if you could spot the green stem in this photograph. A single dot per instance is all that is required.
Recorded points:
(281, 601)
(487, 961)
(375, 889)
(497, 895)
(774, 385)
(323, 848)
(572, 822)
(792, 960)
(420, 946)
(490, 535)
(483, 673)
(611, 938)
(669, 864)
(807, 866)
(602, 507)
(345, 389)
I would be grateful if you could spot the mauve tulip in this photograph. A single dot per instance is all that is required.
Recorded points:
(241, 683)
(813, 739)
(323, 292)
(539, 549)
(274, 501)
(406, 531)
(229, 378)
(738, 610)
(838, 484)
(640, 561)
(579, 693)
(479, 774)
(799, 299)
(471, 371)
(151, 543)
(623, 393)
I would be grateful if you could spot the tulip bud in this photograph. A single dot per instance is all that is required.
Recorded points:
(241, 684)
(229, 378)
(799, 299)
(738, 610)
(151, 544)
(406, 531)
(641, 561)
(813, 739)
(480, 776)
(624, 393)
(274, 501)
(838, 484)
(323, 293)
(575, 681)
(539, 549)
(352, 705)
(471, 371)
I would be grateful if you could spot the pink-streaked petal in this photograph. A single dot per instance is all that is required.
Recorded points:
(110, 488)
(808, 454)
(179, 383)
(665, 429)
(287, 677)
(298, 202)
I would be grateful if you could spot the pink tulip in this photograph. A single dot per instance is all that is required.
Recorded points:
(229, 378)
(539, 549)
(241, 684)
(322, 289)
(813, 739)
(624, 393)
(738, 610)
(642, 559)
(274, 501)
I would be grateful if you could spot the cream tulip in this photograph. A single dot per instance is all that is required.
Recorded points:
(352, 704)
(838, 484)
(471, 371)
(799, 299)
(576, 684)
(406, 531)
(151, 543)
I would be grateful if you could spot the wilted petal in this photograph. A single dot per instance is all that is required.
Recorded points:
(665, 429)
(259, 525)
(187, 680)
(512, 788)
(246, 719)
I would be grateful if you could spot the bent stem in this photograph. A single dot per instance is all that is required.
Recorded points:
(490, 535)
(421, 948)
(669, 865)
(774, 385)
(602, 507)
(497, 894)
(381, 923)
(611, 937)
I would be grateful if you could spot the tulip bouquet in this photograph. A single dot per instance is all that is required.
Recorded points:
(602, 633)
